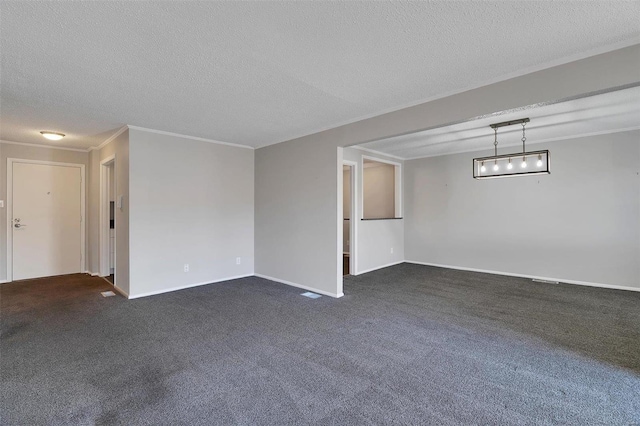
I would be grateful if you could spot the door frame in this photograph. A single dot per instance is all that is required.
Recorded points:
(103, 269)
(83, 209)
(353, 220)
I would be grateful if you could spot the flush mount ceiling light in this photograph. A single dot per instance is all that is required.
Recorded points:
(510, 165)
(54, 136)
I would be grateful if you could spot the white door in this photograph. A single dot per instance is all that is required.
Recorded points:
(46, 220)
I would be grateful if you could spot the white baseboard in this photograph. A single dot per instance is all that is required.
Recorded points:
(121, 291)
(93, 274)
(379, 267)
(534, 277)
(315, 290)
(168, 290)
(4, 281)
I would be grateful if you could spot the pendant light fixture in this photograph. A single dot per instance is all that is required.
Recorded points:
(503, 164)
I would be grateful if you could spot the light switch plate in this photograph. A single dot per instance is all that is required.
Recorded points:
(1, 203)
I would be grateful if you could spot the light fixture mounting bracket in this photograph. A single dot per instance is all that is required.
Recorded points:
(509, 123)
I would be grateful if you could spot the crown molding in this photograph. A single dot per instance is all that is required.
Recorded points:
(34, 145)
(195, 138)
(109, 139)
(127, 127)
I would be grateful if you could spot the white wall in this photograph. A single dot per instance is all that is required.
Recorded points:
(8, 150)
(192, 202)
(298, 224)
(374, 238)
(580, 223)
(297, 187)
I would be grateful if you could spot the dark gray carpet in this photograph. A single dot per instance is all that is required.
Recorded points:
(406, 345)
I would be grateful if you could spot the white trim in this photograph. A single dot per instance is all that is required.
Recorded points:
(398, 191)
(83, 204)
(103, 252)
(182, 287)
(93, 274)
(195, 138)
(118, 289)
(109, 139)
(34, 145)
(353, 221)
(380, 267)
(4, 281)
(536, 277)
(373, 151)
(379, 160)
(505, 77)
(304, 287)
(340, 220)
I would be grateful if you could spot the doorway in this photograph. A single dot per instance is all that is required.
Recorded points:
(107, 219)
(349, 221)
(45, 224)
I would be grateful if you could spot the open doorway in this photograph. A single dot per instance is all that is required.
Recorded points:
(107, 219)
(349, 220)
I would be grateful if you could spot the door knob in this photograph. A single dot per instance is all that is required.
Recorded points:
(19, 225)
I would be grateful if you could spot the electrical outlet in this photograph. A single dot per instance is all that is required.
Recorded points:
(186, 267)
(237, 260)
(391, 250)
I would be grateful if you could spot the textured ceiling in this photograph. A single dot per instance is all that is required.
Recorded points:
(257, 73)
(600, 114)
